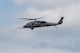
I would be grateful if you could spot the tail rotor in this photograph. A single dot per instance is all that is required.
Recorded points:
(61, 20)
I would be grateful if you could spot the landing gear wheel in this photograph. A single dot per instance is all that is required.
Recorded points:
(32, 28)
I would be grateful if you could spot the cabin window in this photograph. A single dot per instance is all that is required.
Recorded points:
(43, 22)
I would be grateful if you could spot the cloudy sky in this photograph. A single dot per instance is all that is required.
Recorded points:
(64, 39)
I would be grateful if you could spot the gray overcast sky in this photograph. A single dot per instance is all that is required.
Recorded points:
(64, 39)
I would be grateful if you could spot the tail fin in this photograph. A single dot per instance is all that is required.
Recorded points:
(61, 20)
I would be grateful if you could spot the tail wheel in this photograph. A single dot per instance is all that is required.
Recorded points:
(55, 27)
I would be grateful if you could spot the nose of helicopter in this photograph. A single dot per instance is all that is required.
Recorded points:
(25, 26)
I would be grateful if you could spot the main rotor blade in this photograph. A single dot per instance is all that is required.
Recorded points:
(27, 19)
(30, 19)
(33, 18)
(42, 17)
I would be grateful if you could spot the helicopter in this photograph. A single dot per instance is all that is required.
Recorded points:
(35, 23)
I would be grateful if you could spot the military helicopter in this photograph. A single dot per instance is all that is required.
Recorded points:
(35, 23)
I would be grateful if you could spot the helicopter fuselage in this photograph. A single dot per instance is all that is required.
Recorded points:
(35, 24)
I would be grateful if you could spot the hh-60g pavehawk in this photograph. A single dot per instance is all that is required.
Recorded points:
(36, 23)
